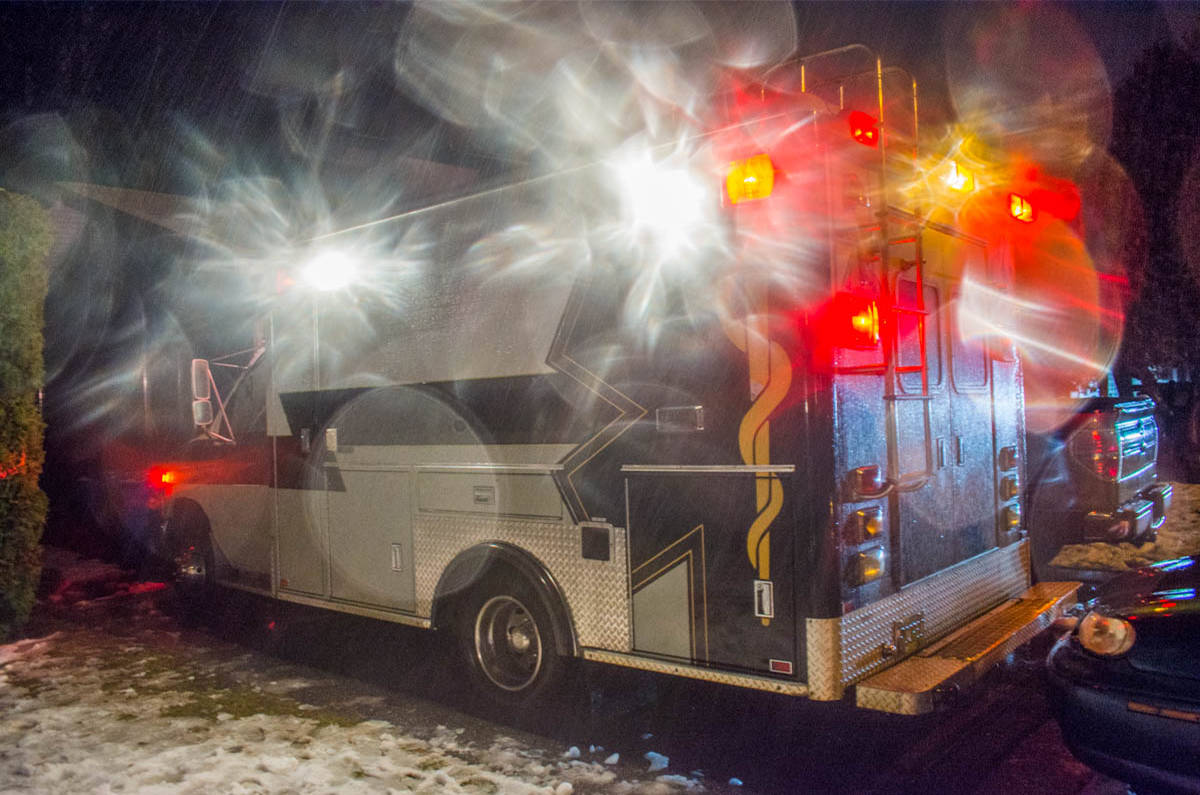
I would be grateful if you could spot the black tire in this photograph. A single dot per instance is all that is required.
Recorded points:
(507, 642)
(193, 570)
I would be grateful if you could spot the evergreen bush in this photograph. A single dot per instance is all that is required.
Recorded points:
(24, 242)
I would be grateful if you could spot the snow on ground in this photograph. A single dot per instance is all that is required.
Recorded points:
(83, 710)
(1179, 535)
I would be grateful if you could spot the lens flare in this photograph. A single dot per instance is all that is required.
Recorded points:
(330, 270)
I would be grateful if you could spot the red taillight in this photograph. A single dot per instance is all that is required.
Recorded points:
(1106, 457)
(1097, 448)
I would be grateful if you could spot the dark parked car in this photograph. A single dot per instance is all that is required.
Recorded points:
(1125, 682)
(1095, 479)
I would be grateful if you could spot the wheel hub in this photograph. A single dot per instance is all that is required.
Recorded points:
(508, 643)
(519, 640)
(189, 567)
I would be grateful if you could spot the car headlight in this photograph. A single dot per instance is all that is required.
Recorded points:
(1108, 636)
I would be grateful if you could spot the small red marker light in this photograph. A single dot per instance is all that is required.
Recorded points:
(863, 128)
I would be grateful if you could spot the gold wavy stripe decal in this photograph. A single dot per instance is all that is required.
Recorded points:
(754, 439)
(770, 375)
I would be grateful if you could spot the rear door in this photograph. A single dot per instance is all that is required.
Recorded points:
(944, 429)
(971, 444)
(922, 420)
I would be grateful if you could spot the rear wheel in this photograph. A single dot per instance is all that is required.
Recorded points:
(193, 572)
(193, 569)
(507, 642)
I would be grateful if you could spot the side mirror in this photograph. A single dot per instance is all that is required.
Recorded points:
(202, 413)
(201, 384)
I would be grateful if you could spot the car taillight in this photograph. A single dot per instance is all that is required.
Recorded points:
(1097, 447)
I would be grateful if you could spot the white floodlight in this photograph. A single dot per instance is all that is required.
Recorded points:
(330, 270)
(663, 201)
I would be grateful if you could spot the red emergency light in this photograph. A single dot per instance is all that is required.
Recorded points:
(863, 128)
(854, 322)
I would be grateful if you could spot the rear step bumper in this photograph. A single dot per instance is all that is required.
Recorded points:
(914, 686)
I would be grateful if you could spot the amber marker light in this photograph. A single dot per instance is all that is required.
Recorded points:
(866, 566)
(1020, 208)
(750, 179)
(959, 178)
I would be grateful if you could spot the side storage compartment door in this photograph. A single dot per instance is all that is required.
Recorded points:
(301, 509)
(698, 596)
(370, 535)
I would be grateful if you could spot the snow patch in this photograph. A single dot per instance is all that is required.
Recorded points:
(657, 761)
(72, 726)
(1179, 535)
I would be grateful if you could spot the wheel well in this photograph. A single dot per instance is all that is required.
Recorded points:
(186, 520)
(475, 564)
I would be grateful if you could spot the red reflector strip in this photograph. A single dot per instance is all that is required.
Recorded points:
(781, 667)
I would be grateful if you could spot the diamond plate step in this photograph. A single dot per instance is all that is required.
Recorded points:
(909, 687)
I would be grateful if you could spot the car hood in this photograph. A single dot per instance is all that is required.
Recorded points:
(1162, 603)
(1167, 586)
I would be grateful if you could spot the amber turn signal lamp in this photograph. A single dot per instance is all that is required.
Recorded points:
(750, 179)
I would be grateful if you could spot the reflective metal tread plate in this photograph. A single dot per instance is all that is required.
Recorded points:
(597, 592)
(910, 687)
(751, 681)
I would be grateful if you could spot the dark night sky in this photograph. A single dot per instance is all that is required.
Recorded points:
(173, 97)
(206, 61)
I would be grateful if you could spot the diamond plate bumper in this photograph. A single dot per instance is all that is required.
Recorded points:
(911, 687)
